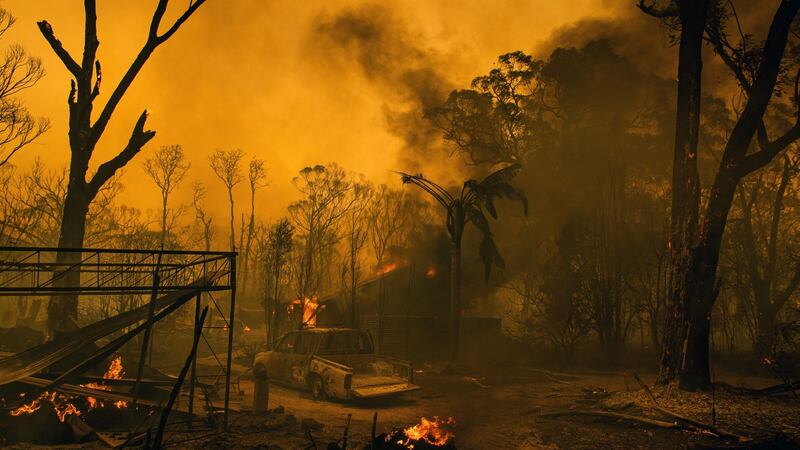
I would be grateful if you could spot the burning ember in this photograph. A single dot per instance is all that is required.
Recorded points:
(246, 329)
(431, 272)
(62, 403)
(431, 433)
(310, 309)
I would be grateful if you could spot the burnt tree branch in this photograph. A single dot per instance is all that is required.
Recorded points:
(139, 137)
(58, 48)
(153, 41)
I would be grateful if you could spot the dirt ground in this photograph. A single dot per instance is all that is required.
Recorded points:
(510, 409)
(514, 408)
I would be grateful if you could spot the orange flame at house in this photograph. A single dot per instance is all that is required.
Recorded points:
(436, 432)
(310, 310)
(387, 268)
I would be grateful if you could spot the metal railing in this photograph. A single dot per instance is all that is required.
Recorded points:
(42, 271)
(99, 272)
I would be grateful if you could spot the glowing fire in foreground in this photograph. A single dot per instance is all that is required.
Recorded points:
(62, 403)
(436, 432)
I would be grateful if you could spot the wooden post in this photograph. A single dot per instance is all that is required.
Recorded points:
(231, 322)
(194, 362)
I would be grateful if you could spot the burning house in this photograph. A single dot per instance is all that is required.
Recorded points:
(405, 308)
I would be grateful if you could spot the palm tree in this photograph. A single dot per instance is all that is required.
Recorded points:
(468, 207)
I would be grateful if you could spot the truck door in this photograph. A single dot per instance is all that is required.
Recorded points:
(301, 356)
(278, 364)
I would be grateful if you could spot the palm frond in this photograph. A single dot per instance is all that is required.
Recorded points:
(504, 175)
(437, 192)
(487, 249)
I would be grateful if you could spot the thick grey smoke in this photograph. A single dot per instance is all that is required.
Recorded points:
(373, 42)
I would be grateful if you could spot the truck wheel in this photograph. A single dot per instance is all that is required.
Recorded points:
(316, 387)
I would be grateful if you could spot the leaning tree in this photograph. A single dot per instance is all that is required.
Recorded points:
(697, 223)
(85, 133)
(466, 207)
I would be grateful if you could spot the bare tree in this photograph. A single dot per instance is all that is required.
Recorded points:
(257, 177)
(389, 215)
(18, 72)
(274, 257)
(356, 229)
(84, 134)
(226, 164)
(317, 217)
(167, 169)
(767, 250)
(202, 219)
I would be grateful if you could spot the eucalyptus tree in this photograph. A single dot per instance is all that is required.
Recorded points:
(469, 206)
(356, 229)
(388, 217)
(279, 247)
(18, 71)
(765, 248)
(166, 168)
(85, 133)
(204, 223)
(257, 179)
(226, 165)
(700, 216)
(317, 217)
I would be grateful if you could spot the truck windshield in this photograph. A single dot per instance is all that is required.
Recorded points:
(345, 343)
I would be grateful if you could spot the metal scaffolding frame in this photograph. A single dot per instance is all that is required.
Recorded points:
(51, 271)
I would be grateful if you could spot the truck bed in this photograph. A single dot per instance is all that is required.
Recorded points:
(366, 385)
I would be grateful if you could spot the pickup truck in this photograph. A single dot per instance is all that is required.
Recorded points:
(335, 363)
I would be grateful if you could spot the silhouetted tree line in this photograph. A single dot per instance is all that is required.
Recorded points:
(663, 216)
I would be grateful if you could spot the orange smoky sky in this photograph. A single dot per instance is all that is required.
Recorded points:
(261, 76)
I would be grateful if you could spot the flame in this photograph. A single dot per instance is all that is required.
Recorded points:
(310, 308)
(434, 432)
(115, 372)
(431, 272)
(387, 268)
(60, 403)
(115, 369)
(247, 329)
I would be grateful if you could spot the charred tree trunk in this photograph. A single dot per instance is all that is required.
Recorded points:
(696, 255)
(765, 333)
(685, 183)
